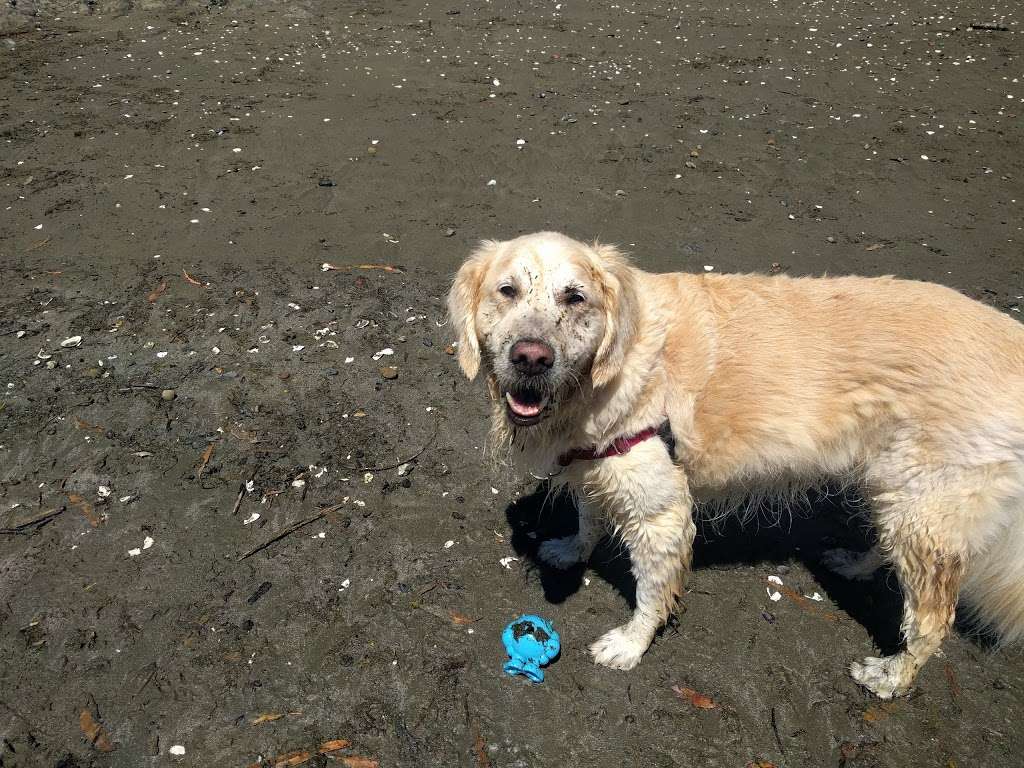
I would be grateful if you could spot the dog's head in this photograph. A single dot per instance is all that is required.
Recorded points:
(548, 316)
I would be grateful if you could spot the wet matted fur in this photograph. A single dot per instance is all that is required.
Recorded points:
(910, 390)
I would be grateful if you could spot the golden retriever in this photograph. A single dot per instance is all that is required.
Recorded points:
(910, 389)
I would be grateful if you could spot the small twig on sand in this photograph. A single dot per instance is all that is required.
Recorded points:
(289, 530)
(38, 521)
(238, 501)
(989, 27)
(400, 462)
(775, 730)
(152, 672)
(328, 267)
(242, 488)
(204, 460)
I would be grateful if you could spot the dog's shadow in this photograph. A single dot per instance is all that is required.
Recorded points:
(541, 516)
(828, 521)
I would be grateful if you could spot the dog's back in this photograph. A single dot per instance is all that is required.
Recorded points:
(802, 366)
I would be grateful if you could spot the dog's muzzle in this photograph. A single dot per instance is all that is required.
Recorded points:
(526, 399)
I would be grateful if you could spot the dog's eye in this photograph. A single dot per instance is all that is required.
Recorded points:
(508, 291)
(573, 296)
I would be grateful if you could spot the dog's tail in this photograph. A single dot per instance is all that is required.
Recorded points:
(993, 588)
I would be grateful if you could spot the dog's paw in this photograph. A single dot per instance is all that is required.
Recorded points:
(561, 553)
(856, 566)
(884, 677)
(619, 649)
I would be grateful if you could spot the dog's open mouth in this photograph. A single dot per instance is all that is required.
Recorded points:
(525, 406)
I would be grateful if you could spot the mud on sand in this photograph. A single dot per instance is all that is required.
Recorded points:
(174, 178)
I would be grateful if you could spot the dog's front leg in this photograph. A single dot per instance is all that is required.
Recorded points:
(649, 503)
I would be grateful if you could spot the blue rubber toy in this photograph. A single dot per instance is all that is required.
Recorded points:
(531, 642)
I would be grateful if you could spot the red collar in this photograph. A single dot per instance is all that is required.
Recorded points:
(619, 447)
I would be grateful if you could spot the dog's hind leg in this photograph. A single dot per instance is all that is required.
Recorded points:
(930, 566)
(655, 521)
(570, 550)
(940, 527)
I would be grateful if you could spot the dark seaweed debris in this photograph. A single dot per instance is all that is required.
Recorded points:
(529, 628)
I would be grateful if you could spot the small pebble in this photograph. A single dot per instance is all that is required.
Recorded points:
(389, 372)
(168, 394)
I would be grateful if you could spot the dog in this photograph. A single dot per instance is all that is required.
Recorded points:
(761, 385)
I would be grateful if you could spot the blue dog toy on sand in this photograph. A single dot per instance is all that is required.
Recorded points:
(531, 642)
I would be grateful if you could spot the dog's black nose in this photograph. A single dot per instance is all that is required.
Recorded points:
(531, 357)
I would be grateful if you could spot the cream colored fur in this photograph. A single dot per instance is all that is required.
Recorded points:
(909, 389)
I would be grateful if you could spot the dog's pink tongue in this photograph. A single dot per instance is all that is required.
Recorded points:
(524, 409)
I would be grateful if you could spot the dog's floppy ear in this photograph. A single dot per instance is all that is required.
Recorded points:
(614, 275)
(463, 300)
